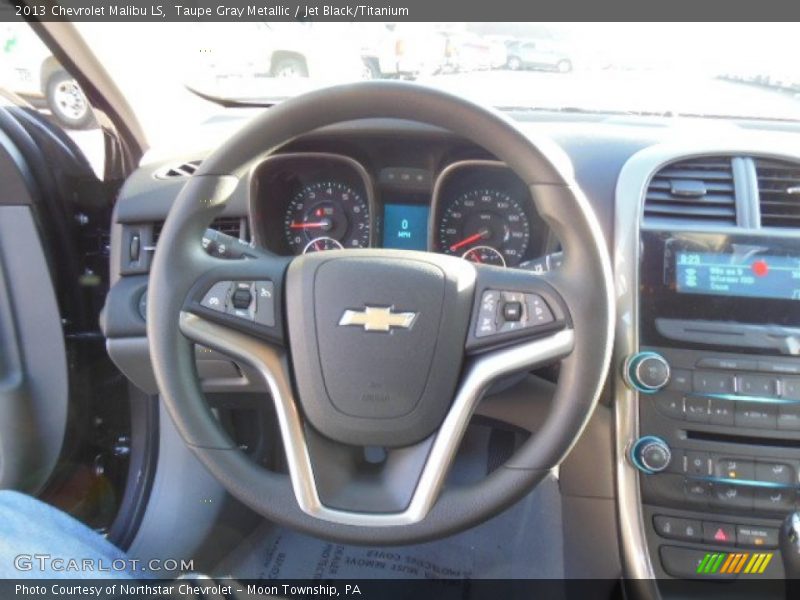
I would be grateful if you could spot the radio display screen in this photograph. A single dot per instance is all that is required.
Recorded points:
(748, 273)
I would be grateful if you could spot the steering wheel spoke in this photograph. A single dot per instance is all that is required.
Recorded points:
(512, 307)
(244, 294)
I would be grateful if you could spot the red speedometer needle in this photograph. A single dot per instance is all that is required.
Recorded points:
(309, 225)
(467, 241)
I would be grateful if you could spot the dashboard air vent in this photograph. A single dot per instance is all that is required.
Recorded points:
(698, 189)
(778, 193)
(180, 171)
(232, 226)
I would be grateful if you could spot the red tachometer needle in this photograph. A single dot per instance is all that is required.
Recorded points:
(309, 225)
(466, 241)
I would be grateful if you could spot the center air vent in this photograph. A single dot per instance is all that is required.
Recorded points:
(182, 170)
(232, 226)
(700, 190)
(778, 193)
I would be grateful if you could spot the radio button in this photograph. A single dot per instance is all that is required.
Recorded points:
(707, 382)
(779, 367)
(697, 409)
(670, 406)
(757, 385)
(680, 381)
(791, 388)
(758, 415)
(773, 500)
(789, 417)
(779, 473)
(721, 412)
(731, 364)
(734, 468)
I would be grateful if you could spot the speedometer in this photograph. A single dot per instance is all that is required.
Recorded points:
(330, 210)
(485, 218)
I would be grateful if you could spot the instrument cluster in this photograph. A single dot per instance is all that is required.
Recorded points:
(476, 209)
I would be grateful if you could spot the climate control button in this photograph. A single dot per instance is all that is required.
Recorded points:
(650, 454)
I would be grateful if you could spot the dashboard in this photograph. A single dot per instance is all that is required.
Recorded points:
(706, 267)
(476, 209)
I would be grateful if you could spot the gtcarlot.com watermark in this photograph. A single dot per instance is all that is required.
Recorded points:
(47, 563)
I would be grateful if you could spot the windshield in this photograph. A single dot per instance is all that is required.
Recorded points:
(705, 69)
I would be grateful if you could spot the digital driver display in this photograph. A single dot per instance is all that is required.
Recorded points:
(405, 226)
(748, 274)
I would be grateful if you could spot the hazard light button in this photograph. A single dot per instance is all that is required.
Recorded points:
(722, 534)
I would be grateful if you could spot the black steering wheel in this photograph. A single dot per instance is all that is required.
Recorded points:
(379, 348)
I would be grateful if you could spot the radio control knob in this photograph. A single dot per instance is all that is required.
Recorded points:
(647, 372)
(650, 454)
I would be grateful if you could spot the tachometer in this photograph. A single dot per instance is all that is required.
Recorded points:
(327, 209)
(481, 219)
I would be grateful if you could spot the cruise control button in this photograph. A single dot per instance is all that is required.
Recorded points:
(676, 528)
(707, 382)
(719, 533)
(216, 298)
(759, 415)
(779, 473)
(756, 536)
(265, 303)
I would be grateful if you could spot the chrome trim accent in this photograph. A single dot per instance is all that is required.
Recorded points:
(272, 364)
(632, 185)
(377, 318)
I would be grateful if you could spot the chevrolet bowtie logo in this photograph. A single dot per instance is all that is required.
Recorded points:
(374, 318)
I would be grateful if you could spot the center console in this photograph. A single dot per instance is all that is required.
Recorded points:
(709, 390)
(719, 396)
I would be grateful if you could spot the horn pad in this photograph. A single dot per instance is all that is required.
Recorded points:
(377, 341)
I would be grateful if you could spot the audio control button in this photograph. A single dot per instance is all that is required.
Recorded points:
(697, 409)
(706, 382)
(721, 412)
(647, 372)
(670, 406)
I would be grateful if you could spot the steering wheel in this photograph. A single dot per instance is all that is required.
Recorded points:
(379, 353)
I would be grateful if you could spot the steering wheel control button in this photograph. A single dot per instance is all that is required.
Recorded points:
(650, 454)
(265, 303)
(217, 297)
(504, 312)
(512, 311)
(647, 372)
(241, 298)
(241, 304)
